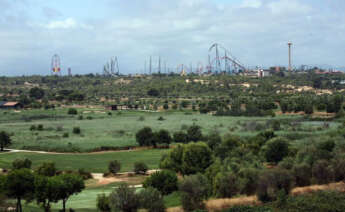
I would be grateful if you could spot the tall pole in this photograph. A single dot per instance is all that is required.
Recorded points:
(150, 71)
(290, 61)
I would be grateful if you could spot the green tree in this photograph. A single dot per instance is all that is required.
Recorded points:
(21, 164)
(19, 184)
(194, 133)
(194, 190)
(47, 169)
(225, 185)
(114, 166)
(124, 199)
(37, 93)
(152, 200)
(161, 137)
(103, 203)
(276, 149)
(144, 136)
(47, 191)
(72, 185)
(140, 168)
(173, 160)
(5, 140)
(164, 181)
(197, 157)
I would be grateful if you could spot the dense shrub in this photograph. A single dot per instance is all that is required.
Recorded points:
(76, 130)
(124, 199)
(197, 157)
(225, 185)
(194, 133)
(140, 168)
(194, 189)
(273, 181)
(164, 181)
(103, 203)
(180, 137)
(322, 172)
(302, 174)
(161, 137)
(114, 166)
(151, 200)
(144, 136)
(40, 127)
(21, 164)
(47, 169)
(275, 149)
(72, 111)
(248, 180)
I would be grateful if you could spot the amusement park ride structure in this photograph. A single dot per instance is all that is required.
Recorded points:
(55, 65)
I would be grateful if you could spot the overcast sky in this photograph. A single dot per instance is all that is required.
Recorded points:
(86, 33)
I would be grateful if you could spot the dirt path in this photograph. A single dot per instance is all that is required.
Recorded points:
(75, 153)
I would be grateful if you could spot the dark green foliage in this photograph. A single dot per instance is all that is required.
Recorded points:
(225, 185)
(249, 209)
(173, 160)
(322, 172)
(213, 140)
(140, 168)
(153, 92)
(248, 180)
(197, 157)
(33, 127)
(180, 137)
(65, 135)
(47, 191)
(47, 169)
(302, 174)
(76, 130)
(71, 185)
(275, 149)
(40, 127)
(144, 136)
(194, 133)
(103, 203)
(114, 166)
(327, 145)
(161, 137)
(37, 93)
(194, 189)
(5, 140)
(21, 164)
(273, 181)
(287, 163)
(124, 199)
(166, 106)
(152, 200)
(72, 111)
(339, 169)
(164, 181)
(19, 184)
(84, 174)
(229, 143)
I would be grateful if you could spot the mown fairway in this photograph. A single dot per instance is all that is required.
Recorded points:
(95, 162)
(118, 129)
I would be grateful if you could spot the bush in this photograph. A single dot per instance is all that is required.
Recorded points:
(47, 169)
(302, 174)
(248, 180)
(103, 203)
(152, 200)
(144, 136)
(76, 130)
(225, 185)
(33, 128)
(72, 111)
(180, 137)
(273, 181)
(322, 172)
(65, 135)
(194, 133)
(276, 149)
(197, 157)
(21, 164)
(80, 117)
(114, 167)
(84, 174)
(194, 189)
(166, 106)
(124, 199)
(40, 127)
(89, 118)
(140, 168)
(164, 181)
(161, 137)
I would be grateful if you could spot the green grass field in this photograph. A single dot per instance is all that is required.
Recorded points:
(117, 130)
(95, 162)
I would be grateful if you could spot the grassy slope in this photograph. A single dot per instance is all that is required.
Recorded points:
(90, 162)
(103, 130)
